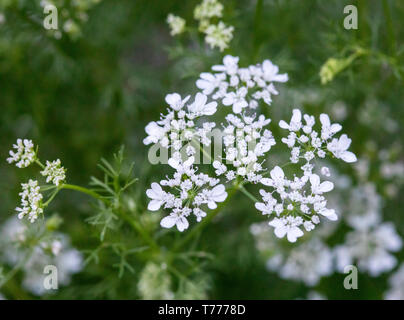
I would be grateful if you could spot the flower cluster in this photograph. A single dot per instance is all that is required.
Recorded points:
(177, 127)
(31, 197)
(292, 204)
(46, 248)
(245, 142)
(241, 87)
(54, 172)
(307, 143)
(299, 202)
(176, 24)
(191, 190)
(31, 201)
(371, 248)
(24, 154)
(217, 33)
(296, 203)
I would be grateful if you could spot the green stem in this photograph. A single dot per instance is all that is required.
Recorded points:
(83, 190)
(248, 194)
(137, 227)
(390, 31)
(257, 22)
(200, 226)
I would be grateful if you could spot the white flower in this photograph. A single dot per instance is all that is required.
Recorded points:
(208, 9)
(370, 249)
(271, 72)
(339, 148)
(287, 226)
(308, 262)
(155, 133)
(328, 129)
(325, 171)
(176, 24)
(25, 154)
(175, 102)
(219, 35)
(217, 194)
(199, 106)
(176, 218)
(54, 172)
(295, 122)
(230, 65)
(157, 195)
(31, 201)
(319, 188)
(236, 99)
(209, 82)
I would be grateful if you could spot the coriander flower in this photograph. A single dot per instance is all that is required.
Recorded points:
(208, 9)
(370, 249)
(176, 24)
(189, 191)
(24, 155)
(54, 172)
(219, 35)
(294, 203)
(31, 201)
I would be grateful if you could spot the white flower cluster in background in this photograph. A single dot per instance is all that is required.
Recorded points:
(370, 248)
(207, 13)
(31, 201)
(54, 172)
(32, 205)
(24, 154)
(291, 204)
(176, 24)
(396, 282)
(308, 262)
(51, 249)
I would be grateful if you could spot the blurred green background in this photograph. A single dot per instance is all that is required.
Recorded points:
(83, 96)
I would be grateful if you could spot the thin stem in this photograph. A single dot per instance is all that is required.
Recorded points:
(390, 30)
(257, 22)
(137, 227)
(83, 190)
(248, 194)
(200, 226)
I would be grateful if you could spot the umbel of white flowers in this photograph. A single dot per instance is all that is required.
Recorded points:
(291, 204)
(31, 197)
(216, 34)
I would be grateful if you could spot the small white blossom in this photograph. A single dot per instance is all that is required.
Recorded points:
(176, 24)
(31, 201)
(219, 35)
(24, 154)
(54, 172)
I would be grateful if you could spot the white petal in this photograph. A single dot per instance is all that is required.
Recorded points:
(283, 124)
(326, 186)
(154, 205)
(168, 222)
(348, 156)
(325, 120)
(182, 224)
